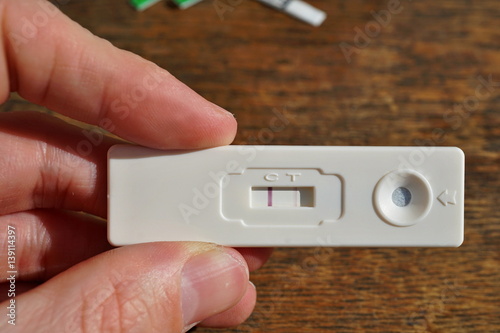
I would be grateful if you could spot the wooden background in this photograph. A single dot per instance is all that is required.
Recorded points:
(400, 86)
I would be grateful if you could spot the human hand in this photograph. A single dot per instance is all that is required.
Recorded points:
(68, 278)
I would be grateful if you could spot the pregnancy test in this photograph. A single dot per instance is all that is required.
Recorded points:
(141, 5)
(298, 9)
(287, 196)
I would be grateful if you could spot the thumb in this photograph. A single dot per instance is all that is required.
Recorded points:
(167, 287)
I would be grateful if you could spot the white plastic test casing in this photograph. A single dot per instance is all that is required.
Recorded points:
(299, 9)
(288, 196)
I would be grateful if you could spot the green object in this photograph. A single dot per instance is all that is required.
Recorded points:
(183, 4)
(141, 5)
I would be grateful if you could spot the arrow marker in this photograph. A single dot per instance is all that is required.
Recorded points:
(446, 198)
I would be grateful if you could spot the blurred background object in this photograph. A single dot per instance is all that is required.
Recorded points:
(374, 73)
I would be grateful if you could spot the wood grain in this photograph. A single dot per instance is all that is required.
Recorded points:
(401, 87)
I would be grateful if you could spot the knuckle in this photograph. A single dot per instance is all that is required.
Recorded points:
(119, 305)
(55, 178)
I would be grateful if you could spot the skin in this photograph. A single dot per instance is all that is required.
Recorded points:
(69, 279)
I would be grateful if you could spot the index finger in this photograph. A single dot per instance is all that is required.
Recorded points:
(52, 61)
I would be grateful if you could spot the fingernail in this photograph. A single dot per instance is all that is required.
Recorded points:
(212, 282)
(222, 111)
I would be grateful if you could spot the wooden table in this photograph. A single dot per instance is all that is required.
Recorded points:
(399, 85)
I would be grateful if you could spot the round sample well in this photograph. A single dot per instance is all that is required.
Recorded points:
(402, 197)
